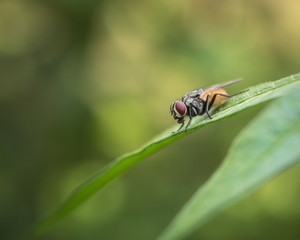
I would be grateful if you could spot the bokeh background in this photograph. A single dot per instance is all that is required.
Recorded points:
(83, 81)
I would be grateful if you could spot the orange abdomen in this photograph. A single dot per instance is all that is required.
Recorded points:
(219, 99)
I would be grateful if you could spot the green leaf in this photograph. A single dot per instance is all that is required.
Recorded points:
(266, 147)
(254, 96)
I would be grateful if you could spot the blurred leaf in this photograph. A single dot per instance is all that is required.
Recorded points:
(254, 96)
(266, 147)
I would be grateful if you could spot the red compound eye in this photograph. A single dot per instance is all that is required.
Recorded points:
(180, 107)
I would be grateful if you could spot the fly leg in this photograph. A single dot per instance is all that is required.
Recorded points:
(179, 128)
(220, 94)
(190, 116)
(207, 105)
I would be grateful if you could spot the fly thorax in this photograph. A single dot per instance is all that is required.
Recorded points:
(197, 106)
(188, 102)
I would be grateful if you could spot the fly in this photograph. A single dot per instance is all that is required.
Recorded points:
(199, 102)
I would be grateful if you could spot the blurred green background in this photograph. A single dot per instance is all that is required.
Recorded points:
(83, 81)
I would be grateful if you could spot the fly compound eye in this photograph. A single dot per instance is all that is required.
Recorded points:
(180, 108)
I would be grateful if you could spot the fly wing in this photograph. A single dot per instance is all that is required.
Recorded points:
(213, 88)
(221, 85)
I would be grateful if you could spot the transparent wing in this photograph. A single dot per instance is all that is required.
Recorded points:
(221, 85)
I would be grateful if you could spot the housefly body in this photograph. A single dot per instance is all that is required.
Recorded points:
(199, 102)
